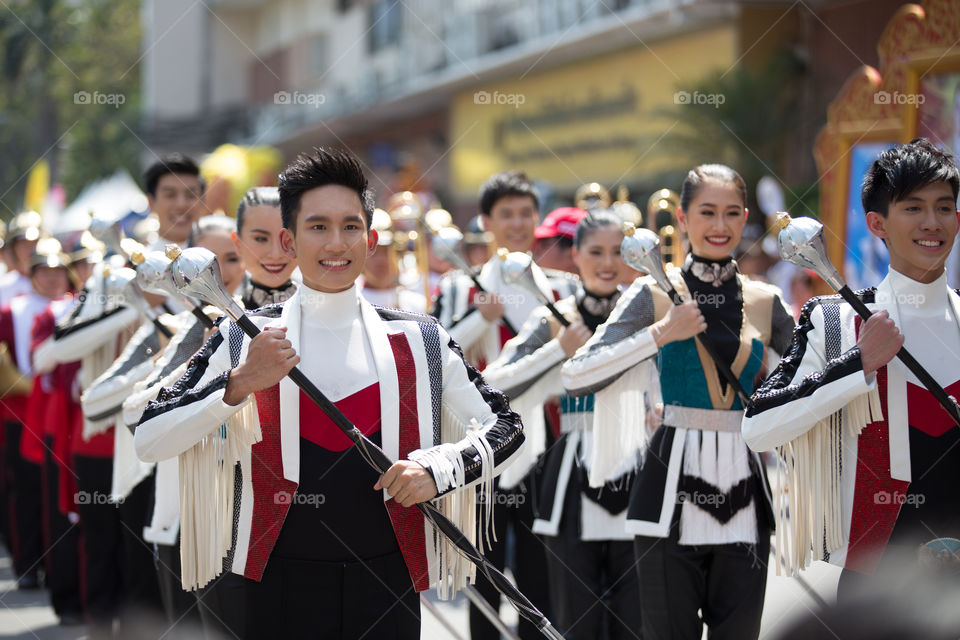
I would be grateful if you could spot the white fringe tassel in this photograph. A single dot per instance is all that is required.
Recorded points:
(808, 500)
(455, 571)
(619, 423)
(206, 496)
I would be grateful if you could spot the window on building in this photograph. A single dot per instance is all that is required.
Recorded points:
(385, 23)
(318, 55)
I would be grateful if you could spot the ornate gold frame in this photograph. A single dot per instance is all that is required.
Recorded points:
(918, 40)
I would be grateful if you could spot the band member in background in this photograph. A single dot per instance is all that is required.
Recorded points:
(474, 319)
(118, 580)
(700, 503)
(174, 190)
(23, 463)
(380, 283)
(593, 583)
(325, 552)
(23, 231)
(477, 242)
(107, 395)
(868, 425)
(554, 246)
(257, 239)
(53, 415)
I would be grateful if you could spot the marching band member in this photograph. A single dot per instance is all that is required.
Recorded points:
(54, 414)
(23, 461)
(118, 580)
(509, 206)
(22, 235)
(553, 248)
(873, 447)
(257, 239)
(593, 584)
(310, 529)
(380, 282)
(699, 504)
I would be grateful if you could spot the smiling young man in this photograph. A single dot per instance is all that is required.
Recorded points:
(885, 451)
(326, 552)
(175, 194)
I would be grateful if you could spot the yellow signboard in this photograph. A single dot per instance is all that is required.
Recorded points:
(598, 120)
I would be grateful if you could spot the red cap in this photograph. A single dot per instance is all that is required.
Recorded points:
(560, 222)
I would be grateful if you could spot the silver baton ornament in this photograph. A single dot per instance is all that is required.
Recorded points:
(196, 273)
(801, 243)
(517, 269)
(154, 276)
(446, 242)
(122, 283)
(640, 249)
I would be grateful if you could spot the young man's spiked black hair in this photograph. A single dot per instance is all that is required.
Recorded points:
(173, 163)
(503, 184)
(318, 169)
(899, 171)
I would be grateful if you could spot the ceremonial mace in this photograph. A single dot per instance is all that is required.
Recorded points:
(640, 249)
(517, 269)
(446, 241)
(196, 273)
(154, 275)
(801, 243)
(123, 282)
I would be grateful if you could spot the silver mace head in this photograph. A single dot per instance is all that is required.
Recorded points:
(801, 243)
(154, 276)
(107, 232)
(446, 245)
(640, 250)
(517, 269)
(122, 283)
(196, 273)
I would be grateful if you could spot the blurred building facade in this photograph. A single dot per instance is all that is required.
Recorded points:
(435, 95)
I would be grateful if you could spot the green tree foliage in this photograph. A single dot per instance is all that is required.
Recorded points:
(69, 92)
(743, 118)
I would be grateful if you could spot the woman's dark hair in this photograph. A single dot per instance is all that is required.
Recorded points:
(503, 184)
(319, 169)
(719, 173)
(899, 171)
(174, 163)
(206, 224)
(256, 197)
(595, 221)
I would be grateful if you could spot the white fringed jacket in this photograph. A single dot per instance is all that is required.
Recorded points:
(434, 409)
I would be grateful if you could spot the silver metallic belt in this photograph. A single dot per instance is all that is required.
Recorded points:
(705, 419)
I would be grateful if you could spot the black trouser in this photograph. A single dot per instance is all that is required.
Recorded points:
(593, 585)
(5, 519)
(725, 582)
(223, 607)
(180, 607)
(513, 508)
(119, 575)
(25, 500)
(370, 598)
(62, 541)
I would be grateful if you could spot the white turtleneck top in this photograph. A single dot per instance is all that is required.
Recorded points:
(334, 350)
(928, 322)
